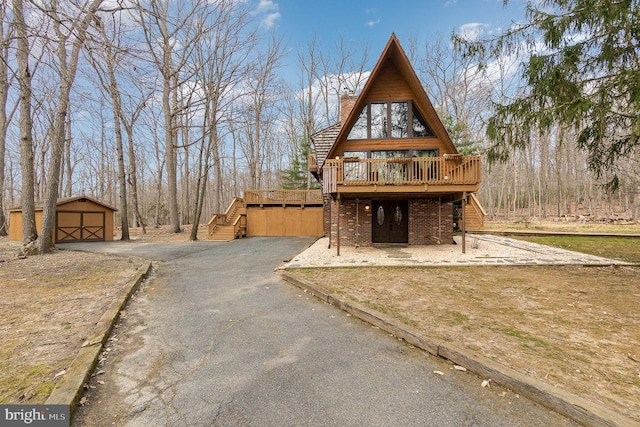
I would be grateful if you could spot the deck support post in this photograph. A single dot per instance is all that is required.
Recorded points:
(464, 206)
(330, 199)
(338, 225)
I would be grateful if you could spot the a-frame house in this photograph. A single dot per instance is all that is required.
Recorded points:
(389, 170)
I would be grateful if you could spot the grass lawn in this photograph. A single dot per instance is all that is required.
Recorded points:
(622, 248)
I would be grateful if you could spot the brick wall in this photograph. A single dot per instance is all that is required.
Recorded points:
(346, 105)
(430, 222)
(355, 230)
(326, 200)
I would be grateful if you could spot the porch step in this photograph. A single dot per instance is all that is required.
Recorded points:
(223, 233)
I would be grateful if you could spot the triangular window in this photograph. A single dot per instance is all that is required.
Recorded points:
(420, 127)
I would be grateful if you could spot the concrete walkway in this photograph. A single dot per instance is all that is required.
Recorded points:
(481, 249)
(216, 337)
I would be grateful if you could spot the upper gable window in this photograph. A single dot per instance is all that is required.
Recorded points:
(383, 120)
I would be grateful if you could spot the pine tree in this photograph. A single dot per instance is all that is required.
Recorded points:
(296, 178)
(460, 135)
(582, 73)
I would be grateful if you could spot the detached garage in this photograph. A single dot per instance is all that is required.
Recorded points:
(78, 219)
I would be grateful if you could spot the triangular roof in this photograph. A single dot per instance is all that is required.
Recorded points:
(393, 52)
(65, 200)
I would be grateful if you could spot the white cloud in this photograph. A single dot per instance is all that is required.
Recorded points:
(270, 20)
(270, 11)
(267, 5)
(450, 3)
(372, 24)
(472, 31)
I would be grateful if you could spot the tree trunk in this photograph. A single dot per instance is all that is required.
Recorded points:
(170, 158)
(4, 120)
(122, 175)
(67, 70)
(133, 181)
(29, 233)
(68, 188)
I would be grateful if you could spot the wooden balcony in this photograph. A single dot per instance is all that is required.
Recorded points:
(436, 175)
(283, 197)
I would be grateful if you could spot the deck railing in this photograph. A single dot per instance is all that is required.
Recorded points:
(284, 197)
(449, 170)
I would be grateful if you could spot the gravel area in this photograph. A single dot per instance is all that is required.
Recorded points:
(480, 249)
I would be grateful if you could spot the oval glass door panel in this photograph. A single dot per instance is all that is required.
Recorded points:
(397, 215)
(380, 215)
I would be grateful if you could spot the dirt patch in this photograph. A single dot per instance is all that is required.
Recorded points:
(575, 328)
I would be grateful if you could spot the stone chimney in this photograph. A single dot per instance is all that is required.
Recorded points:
(347, 102)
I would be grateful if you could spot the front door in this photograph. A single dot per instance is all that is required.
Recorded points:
(390, 222)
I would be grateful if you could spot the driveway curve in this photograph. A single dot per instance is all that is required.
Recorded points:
(215, 338)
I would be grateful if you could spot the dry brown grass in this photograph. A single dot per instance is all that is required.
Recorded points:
(576, 328)
(565, 225)
(49, 304)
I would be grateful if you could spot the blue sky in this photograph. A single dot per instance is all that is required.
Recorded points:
(371, 22)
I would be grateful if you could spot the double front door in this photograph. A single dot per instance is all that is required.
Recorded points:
(390, 221)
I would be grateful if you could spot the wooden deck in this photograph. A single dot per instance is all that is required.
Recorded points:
(449, 174)
(269, 213)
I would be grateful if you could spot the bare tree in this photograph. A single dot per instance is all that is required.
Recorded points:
(172, 32)
(105, 56)
(6, 34)
(308, 70)
(73, 32)
(29, 233)
(222, 61)
(258, 106)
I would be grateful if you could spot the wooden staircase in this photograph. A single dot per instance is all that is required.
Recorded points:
(230, 225)
(474, 214)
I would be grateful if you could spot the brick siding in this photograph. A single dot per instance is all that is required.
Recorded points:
(355, 230)
(430, 222)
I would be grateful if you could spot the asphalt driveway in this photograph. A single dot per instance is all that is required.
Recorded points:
(215, 337)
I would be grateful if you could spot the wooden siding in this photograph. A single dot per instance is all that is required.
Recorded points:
(15, 224)
(389, 85)
(284, 221)
(67, 213)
